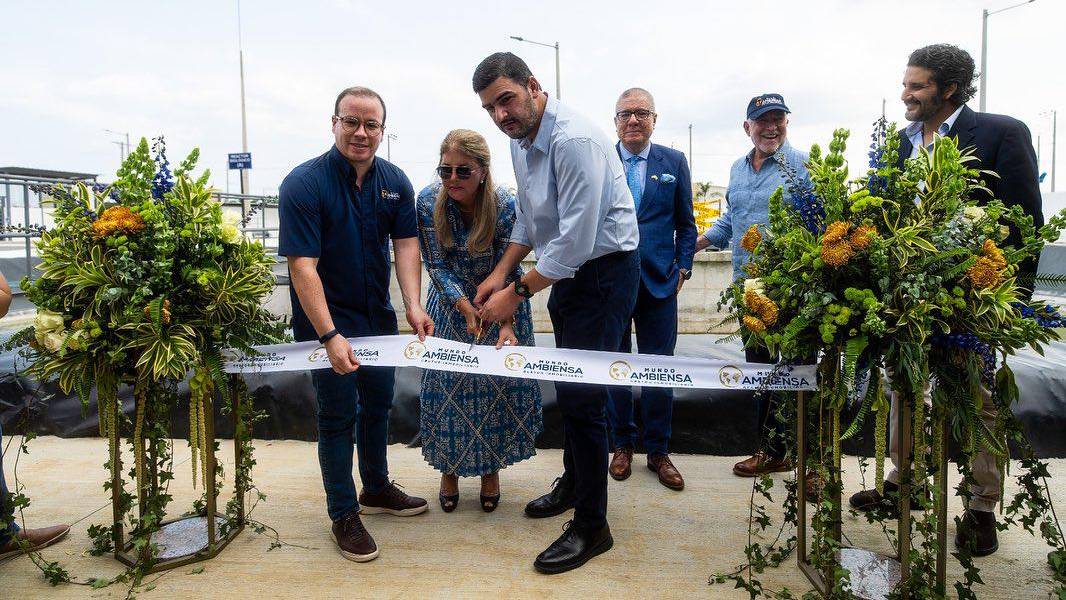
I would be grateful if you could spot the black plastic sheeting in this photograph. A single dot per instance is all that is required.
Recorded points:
(720, 422)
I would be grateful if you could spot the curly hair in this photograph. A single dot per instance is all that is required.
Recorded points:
(949, 64)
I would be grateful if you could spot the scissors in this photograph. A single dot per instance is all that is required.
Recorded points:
(477, 336)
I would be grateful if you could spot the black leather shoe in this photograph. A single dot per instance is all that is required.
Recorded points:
(574, 548)
(977, 531)
(886, 504)
(555, 502)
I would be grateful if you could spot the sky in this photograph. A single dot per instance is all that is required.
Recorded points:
(71, 70)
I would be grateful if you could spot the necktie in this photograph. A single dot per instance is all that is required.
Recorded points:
(633, 179)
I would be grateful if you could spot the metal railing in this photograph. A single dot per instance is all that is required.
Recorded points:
(24, 211)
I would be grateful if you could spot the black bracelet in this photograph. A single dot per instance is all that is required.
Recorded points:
(329, 335)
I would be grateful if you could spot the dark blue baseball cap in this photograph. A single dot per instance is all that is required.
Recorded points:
(760, 105)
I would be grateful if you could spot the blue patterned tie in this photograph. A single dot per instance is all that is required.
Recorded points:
(633, 179)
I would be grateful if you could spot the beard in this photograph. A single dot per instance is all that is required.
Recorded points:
(925, 110)
(526, 122)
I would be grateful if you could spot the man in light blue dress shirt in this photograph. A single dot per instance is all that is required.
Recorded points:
(575, 209)
(752, 180)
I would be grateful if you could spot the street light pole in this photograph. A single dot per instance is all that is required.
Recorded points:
(124, 147)
(1054, 139)
(984, 48)
(690, 150)
(388, 145)
(558, 81)
(244, 117)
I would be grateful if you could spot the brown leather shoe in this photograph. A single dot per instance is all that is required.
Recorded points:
(760, 464)
(353, 539)
(30, 540)
(391, 500)
(668, 473)
(622, 463)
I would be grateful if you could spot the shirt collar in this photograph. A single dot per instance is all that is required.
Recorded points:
(544, 131)
(626, 154)
(345, 167)
(916, 127)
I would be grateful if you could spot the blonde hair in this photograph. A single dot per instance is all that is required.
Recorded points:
(471, 144)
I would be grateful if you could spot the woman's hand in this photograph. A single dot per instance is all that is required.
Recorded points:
(507, 335)
(469, 313)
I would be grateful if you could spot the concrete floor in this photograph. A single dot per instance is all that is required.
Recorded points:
(667, 543)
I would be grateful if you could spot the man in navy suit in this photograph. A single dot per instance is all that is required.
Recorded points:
(658, 177)
(936, 86)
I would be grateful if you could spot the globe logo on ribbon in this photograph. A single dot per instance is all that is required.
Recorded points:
(514, 361)
(620, 370)
(414, 350)
(730, 376)
(318, 355)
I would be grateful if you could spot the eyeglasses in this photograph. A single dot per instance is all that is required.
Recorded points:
(351, 125)
(460, 172)
(641, 115)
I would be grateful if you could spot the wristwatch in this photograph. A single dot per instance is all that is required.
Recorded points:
(685, 274)
(329, 335)
(522, 289)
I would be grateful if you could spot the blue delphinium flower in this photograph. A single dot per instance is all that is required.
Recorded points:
(1046, 316)
(877, 184)
(969, 341)
(163, 181)
(802, 197)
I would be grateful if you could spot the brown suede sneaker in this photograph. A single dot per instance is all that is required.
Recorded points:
(30, 540)
(622, 463)
(353, 539)
(391, 500)
(667, 472)
(760, 464)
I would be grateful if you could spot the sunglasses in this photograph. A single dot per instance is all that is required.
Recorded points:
(460, 172)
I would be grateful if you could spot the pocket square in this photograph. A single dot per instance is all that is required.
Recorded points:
(668, 178)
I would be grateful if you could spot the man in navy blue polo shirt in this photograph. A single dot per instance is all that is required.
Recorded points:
(337, 213)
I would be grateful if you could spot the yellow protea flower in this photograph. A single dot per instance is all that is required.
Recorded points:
(754, 324)
(751, 238)
(835, 232)
(862, 236)
(760, 305)
(988, 270)
(837, 254)
(117, 219)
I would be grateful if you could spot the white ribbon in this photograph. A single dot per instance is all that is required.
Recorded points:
(532, 362)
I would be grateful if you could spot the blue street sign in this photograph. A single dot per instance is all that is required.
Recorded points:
(240, 160)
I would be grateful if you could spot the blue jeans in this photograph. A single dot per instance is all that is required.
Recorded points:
(589, 312)
(353, 414)
(7, 512)
(656, 323)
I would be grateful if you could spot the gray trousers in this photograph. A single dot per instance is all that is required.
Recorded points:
(986, 472)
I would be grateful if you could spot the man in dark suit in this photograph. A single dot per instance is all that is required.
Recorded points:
(936, 86)
(659, 180)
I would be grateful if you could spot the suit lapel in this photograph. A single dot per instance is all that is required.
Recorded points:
(651, 179)
(963, 128)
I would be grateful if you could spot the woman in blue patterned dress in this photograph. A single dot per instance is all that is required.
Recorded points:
(471, 425)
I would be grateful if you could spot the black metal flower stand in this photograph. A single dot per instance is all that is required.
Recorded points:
(872, 575)
(190, 538)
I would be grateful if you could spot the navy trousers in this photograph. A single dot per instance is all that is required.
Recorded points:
(353, 414)
(656, 324)
(590, 312)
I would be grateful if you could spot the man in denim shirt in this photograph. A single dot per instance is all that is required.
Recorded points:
(752, 180)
